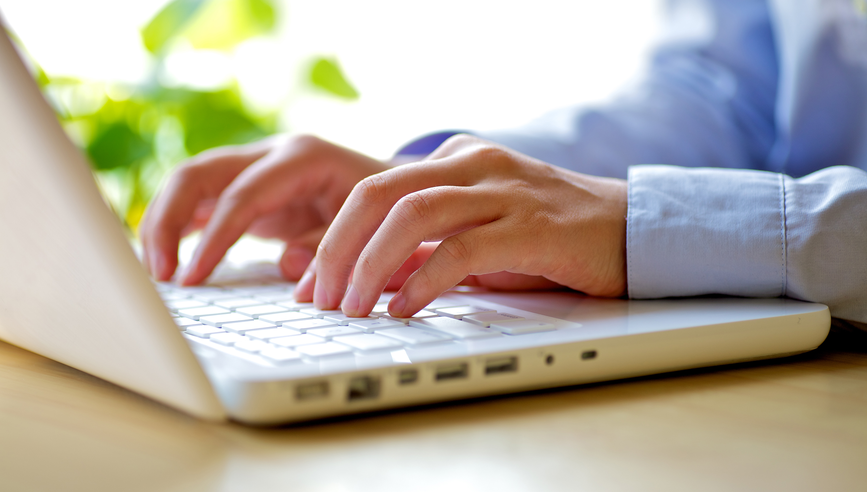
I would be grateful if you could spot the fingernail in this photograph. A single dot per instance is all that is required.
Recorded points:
(320, 297)
(397, 304)
(351, 301)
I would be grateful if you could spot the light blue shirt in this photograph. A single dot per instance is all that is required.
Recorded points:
(759, 112)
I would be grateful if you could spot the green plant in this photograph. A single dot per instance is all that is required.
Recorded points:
(134, 135)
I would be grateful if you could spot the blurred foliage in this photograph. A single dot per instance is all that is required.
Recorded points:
(134, 135)
(326, 75)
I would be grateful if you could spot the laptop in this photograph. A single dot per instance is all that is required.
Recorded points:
(73, 290)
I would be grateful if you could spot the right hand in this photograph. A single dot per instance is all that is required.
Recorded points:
(285, 188)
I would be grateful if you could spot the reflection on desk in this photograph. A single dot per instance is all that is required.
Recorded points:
(790, 424)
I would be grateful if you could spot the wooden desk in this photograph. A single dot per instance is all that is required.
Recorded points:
(795, 424)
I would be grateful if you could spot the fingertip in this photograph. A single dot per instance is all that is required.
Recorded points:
(397, 306)
(351, 302)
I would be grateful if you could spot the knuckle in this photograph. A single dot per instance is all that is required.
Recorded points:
(325, 251)
(456, 250)
(304, 142)
(371, 189)
(492, 155)
(454, 144)
(413, 208)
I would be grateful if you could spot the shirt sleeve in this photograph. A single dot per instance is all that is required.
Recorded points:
(707, 100)
(749, 233)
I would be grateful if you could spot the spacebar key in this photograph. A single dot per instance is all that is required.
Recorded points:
(455, 328)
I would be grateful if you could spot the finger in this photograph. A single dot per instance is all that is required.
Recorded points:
(299, 253)
(413, 263)
(304, 290)
(479, 251)
(427, 215)
(309, 171)
(366, 208)
(171, 212)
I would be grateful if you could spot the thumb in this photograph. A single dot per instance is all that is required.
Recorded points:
(299, 252)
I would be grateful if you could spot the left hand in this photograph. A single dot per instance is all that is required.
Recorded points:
(505, 219)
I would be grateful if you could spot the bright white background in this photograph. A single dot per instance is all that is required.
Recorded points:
(419, 66)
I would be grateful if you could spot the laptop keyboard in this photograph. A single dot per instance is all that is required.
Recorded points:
(265, 324)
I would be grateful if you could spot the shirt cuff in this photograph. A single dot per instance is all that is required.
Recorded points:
(701, 231)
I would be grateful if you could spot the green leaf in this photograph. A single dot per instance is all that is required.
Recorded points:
(169, 23)
(222, 24)
(326, 75)
(117, 145)
(212, 119)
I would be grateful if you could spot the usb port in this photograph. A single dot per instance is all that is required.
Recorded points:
(407, 376)
(452, 371)
(363, 388)
(500, 365)
(310, 391)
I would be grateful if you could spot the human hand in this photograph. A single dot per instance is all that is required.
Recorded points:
(286, 188)
(504, 219)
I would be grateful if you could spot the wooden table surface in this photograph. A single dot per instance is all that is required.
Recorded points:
(793, 424)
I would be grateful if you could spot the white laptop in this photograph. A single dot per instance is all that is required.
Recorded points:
(72, 290)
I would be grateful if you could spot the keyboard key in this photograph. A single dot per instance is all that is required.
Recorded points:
(333, 331)
(172, 296)
(253, 290)
(221, 319)
(323, 349)
(305, 325)
(319, 313)
(280, 354)
(367, 343)
(269, 333)
(461, 311)
(227, 338)
(424, 313)
(237, 302)
(280, 318)
(369, 326)
(212, 296)
(293, 305)
(276, 297)
(380, 309)
(253, 346)
(297, 340)
(245, 326)
(200, 290)
(442, 304)
(485, 319)
(197, 312)
(203, 331)
(184, 304)
(182, 322)
(455, 328)
(520, 327)
(414, 336)
(256, 311)
(342, 319)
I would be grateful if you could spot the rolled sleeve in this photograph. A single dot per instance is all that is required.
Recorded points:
(703, 231)
(749, 233)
